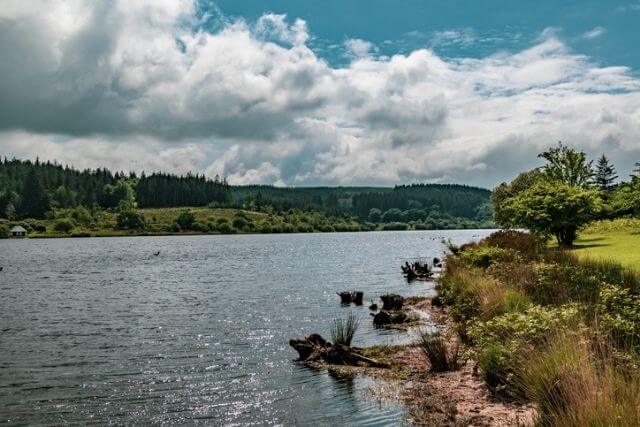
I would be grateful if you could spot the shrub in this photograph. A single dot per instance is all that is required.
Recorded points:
(81, 215)
(63, 225)
(185, 219)
(4, 231)
(501, 341)
(619, 315)
(485, 256)
(174, 227)
(200, 226)
(342, 331)
(303, 227)
(226, 228)
(496, 365)
(130, 219)
(240, 222)
(395, 226)
(528, 245)
(441, 357)
(529, 326)
(264, 226)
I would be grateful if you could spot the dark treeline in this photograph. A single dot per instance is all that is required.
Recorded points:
(456, 200)
(165, 190)
(29, 189)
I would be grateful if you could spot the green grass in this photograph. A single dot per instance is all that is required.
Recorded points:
(622, 246)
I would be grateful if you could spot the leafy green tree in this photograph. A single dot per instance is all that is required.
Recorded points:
(63, 197)
(393, 215)
(605, 175)
(130, 219)
(552, 208)
(375, 215)
(567, 165)
(504, 192)
(34, 203)
(626, 200)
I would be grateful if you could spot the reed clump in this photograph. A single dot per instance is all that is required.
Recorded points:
(343, 330)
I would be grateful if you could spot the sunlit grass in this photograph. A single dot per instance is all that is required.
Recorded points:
(620, 246)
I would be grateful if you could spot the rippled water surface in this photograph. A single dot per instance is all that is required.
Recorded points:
(101, 330)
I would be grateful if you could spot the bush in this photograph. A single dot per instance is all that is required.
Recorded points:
(63, 225)
(240, 222)
(526, 244)
(502, 340)
(81, 215)
(174, 227)
(496, 365)
(225, 228)
(130, 219)
(4, 231)
(619, 315)
(185, 219)
(343, 331)
(485, 256)
(200, 226)
(441, 357)
(395, 226)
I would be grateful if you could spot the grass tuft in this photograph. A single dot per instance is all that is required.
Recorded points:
(441, 356)
(343, 331)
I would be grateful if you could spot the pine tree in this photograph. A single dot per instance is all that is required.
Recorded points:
(605, 174)
(35, 202)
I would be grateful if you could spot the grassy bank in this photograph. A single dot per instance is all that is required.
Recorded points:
(548, 327)
(81, 222)
(617, 240)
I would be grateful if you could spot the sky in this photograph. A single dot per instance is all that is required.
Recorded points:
(302, 93)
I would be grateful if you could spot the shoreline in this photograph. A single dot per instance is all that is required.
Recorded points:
(86, 235)
(458, 397)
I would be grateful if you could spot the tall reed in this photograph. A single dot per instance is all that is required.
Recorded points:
(343, 331)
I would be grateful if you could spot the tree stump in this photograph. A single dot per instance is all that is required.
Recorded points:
(392, 302)
(316, 349)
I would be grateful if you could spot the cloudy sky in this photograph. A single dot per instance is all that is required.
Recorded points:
(338, 92)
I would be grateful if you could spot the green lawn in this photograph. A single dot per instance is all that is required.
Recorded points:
(622, 246)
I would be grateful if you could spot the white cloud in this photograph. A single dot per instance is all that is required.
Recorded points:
(358, 48)
(141, 85)
(594, 33)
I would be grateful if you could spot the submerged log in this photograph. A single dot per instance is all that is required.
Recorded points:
(392, 302)
(316, 349)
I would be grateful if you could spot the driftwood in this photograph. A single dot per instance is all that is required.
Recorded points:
(417, 270)
(392, 302)
(316, 349)
(351, 297)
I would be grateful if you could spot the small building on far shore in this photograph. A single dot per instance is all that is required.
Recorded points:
(18, 231)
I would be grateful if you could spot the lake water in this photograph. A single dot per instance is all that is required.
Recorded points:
(101, 330)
